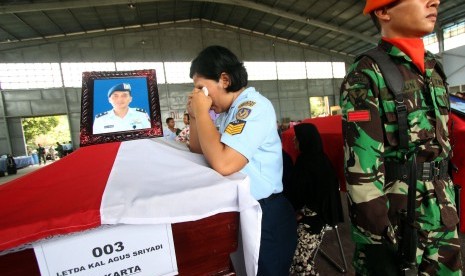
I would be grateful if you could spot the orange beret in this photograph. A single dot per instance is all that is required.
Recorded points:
(372, 5)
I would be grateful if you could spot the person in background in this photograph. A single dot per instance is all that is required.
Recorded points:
(59, 150)
(11, 167)
(314, 194)
(378, 169)
(65, 148)
(246, 141)
(51, 151)
(284, 127)
(184, 134)
(41, 154)
(170, 131)
(278, 127)
(69, 147)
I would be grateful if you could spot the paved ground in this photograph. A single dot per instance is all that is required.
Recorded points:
(21, 172)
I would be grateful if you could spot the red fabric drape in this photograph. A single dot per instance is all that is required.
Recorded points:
(457, 134)
(60, 198)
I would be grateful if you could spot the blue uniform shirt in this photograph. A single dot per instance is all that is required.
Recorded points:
(249, 127)
(168, 134)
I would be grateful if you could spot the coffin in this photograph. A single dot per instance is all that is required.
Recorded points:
(202, 247)
(140, 182)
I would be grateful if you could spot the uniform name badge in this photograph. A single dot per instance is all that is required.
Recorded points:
(110, 251)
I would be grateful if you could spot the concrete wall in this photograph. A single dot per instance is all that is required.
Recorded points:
(289, 97)
(37, 102)
(5, 145)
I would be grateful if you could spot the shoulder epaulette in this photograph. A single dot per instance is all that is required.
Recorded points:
(101, 114)
(247, 103)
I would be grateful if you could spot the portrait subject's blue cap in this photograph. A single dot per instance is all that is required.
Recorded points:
(120, 87)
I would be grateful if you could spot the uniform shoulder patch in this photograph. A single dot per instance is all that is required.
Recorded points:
(140, 110)
(359, 116)
(356, 85)
(358, 78)
(101, 114)
(243, 113)
(358, 97)
(246, 103)
(235, 127)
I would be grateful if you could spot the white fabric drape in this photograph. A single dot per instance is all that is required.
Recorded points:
(156, 181)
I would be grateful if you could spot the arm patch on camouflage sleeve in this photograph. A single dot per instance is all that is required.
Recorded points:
(358, 89)
(358, 98)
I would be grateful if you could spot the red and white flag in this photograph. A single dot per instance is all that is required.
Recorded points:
(146, 181)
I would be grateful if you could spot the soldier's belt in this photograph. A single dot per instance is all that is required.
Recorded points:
(426, 171)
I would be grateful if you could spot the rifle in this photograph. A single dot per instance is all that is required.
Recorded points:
(408, 241)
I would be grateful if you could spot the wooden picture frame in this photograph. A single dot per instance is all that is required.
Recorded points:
(119, 106)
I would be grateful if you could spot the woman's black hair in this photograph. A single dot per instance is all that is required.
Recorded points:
(214, 60)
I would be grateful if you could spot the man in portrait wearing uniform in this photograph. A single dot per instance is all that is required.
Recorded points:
(383, 139)
(121, 117)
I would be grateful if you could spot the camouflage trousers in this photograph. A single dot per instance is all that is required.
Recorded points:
(438, 253)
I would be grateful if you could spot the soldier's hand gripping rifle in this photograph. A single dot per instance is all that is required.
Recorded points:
(408, 241)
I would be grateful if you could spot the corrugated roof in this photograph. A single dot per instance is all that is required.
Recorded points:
(337, 26)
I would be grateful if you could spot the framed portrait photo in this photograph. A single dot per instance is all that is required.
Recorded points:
(119, 106)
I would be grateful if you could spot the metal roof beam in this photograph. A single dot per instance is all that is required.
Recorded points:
(7, 9)
(131, 29)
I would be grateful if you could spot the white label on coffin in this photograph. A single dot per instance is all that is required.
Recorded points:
(114, 251)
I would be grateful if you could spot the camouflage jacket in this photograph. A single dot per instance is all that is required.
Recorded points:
(370, 133)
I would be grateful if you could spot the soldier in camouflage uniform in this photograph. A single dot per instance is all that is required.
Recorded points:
(371, 147)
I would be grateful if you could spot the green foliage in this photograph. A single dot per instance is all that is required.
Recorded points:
(45, 131)
(317, 106)
(38, 125)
